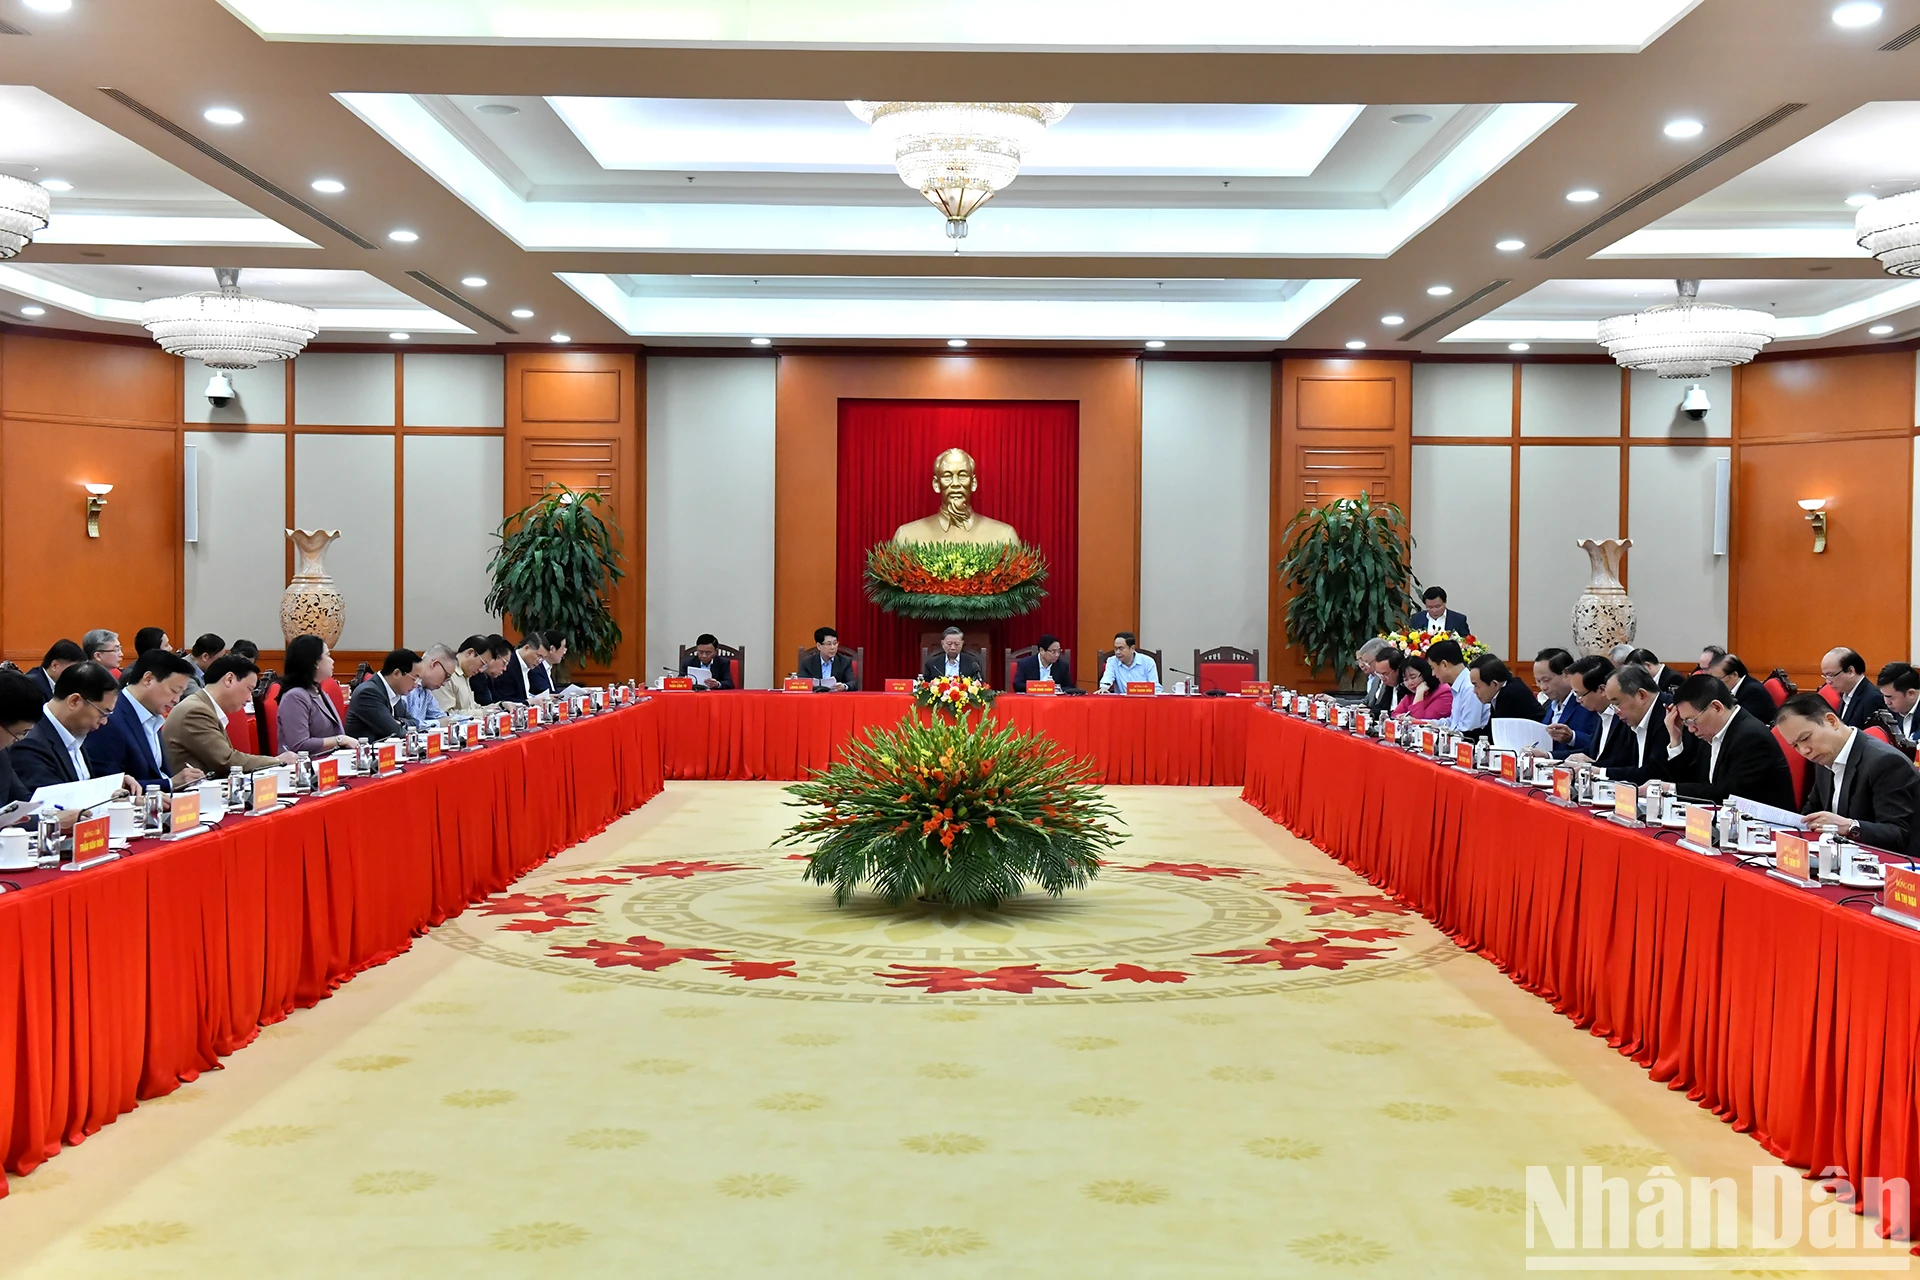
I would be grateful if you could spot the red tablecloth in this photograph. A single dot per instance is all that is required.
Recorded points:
(120, 982)
(1790, 1015)
(1162, 741)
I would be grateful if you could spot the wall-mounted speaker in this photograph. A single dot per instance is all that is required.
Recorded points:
(1722, 504)
(190, 504)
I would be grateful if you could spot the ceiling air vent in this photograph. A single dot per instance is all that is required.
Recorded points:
(1484, 291)
(458, 301)
(8, 29)
(1901, 41)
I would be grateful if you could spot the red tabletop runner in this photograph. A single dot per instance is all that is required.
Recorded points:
(122, 981)
(1161, 741)
(1791, 1016)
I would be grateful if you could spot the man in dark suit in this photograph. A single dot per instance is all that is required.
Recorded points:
(1846, 671)
(1899, 686)
(952, 660)
(705, 656)
(1435, 616)
(830, 670)
(1632, 742)
(20, 707)
(1568, 719)
(1379, 662)
(130, 741)
(1047, 662)
(62, 655)
(1861, 785)
(1736, 755)
(1748, 692)
(53, 750)
(1505, 696)
(1665, 678)
(378, 708)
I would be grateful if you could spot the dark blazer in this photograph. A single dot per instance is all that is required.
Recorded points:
(1583, 722)
(482, 686)
(11, 787)
(1380, 701)
(120, 746)
(1881, 793)
(40, 759)
(372, 715)
(810, 668)
(1669, 680)
(722, 668)
(1456, 621)
(1750, 765)
(1866, 700)
(1756, 701)
(540, 679)
(1513, 701)
(937, 666)
(1028, 668)
(1621, 756)
(510, 685)
(39, 676)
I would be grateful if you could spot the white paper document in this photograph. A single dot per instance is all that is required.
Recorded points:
(700, 675)
(18, 812)
(84, 794)
(1513, 734)
(1767, 813)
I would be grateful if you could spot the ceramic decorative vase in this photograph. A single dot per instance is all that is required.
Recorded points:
(1603, 615)
(311, 604)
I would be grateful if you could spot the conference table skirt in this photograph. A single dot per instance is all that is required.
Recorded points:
(120, 982)
(1159, 741)
(1793, 1017)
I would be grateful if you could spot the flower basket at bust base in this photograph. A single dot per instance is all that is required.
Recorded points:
(953, 695)
(937, 812)
(1418, 642)
(956, 581)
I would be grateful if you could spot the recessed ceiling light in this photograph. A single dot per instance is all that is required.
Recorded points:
(49, 6)
(400, 337)
(1356, 345)
(761, 342)
(497, 109)
(33, 311)
(1509, 246)
(1439, 290)
(956, 342)
(1154, 344)
(1519, 346)
(1854, 202)
(521, 313)
(1581, 195)
(1856, 13)
(56, 184)
(1393, 319)
(1878, 331)
(403, 236)
(221, 115)
(329, 186)
(561, 337)
(474, 282)
(1683, 129)
(1413, 117)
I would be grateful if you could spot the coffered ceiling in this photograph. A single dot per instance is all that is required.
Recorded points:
(1234, 175)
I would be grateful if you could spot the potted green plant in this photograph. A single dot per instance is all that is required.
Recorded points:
(1347, 566)
(556, 564)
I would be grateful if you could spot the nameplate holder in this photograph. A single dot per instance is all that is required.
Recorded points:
(1900, 903)
(186, 833)
(1256, 688)
(562, 711)
(1792, 857)
(186, 814)
(1510, 769)
(796, 684)
(1626, 804)
(1563, 786)
(385, 758)
(1429, 742)
(1463, 754)
(90, 839)
(534, 717)
(1042, 686)
(899, 686)
(81, 865)
(266, 791)
(1361, 721)
(1140, 689)
(326, 775)
(436, 744)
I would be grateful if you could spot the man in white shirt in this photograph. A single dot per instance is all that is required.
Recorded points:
(1846, 671)
(130, 741)
(1127, 665)
(1862, 786)
(51, 753)
(1449, 664)
(1899, 685)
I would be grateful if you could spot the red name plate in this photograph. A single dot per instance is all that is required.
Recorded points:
(1789, 855)
(1463, 754)
(1429, 742)
(470, 733)
(1699, 826)
(436, 743)
(266, 791)
(90, 838)
(677, 682)
(326, 775)
(1902, 897)
(1360, 721)
(899, 686)
(534, 717)
(796, 684)
(1510, 768)
(1255, 688)
(1140, 689)
(561, 710)
(503, 724)
(383, 758)
(186, 811)
(1563, 784)
(1042, 686)
(1626, 802)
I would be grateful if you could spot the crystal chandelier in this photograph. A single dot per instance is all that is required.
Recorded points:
(1889, 229)
(24, 209)
(228, 329)
(1687, 338)
(958, 154)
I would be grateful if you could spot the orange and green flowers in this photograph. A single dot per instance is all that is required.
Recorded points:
(956, 581)
(1418, 642)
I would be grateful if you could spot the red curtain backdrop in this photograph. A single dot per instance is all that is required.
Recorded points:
(1027, 453)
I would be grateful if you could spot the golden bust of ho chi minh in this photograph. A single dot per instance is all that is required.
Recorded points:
(956, 521)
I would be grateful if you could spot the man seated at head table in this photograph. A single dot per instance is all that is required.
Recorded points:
(434, 669)
(1127, 665)
(1862, 786)
(1736, 756)
(488, 683)
(1047, 662)
(1631, 742)
(455, 694)
(196, 732)
(1569, 722)
(828, 668)
(1587, 679)
(1465, 713)
(378, 708)
(953, 659)
(704, 664)
(130, 741)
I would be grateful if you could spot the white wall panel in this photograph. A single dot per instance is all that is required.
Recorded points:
(1461, 526)
(1569, 400)
(1462, 399)
(1567, 492)
(343, 390)
(260, 396)
(236, 572)
(454, 390)
(710, 510)
(1678, 586)
(1655, 407)
(453, 505)
(346, 483)
(1205, 440)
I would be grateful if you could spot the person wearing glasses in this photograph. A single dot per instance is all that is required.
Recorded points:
(20, 705)
(51, 752)
(196, 730)
(1741, 756)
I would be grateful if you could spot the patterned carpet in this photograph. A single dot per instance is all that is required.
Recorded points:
(664, 1054)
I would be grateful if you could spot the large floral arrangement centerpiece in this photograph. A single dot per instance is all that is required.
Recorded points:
(1418, 642)
(956, 581)
(954, 695)
(940, 813)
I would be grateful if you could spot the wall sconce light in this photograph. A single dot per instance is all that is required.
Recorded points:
(1816, 509)
(96, 503)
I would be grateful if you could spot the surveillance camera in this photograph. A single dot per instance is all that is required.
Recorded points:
(219, 391)
(1695, 405)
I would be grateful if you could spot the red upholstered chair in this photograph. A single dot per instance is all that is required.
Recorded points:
(858, 656)
(734, 656)
(1014, 657)
(985, 659)
(1778, 689)
(1875, 731)
(1225, 668)
(1796, 765)
(1832, 695)
(243, 731)
(270, 719)
(337, 696)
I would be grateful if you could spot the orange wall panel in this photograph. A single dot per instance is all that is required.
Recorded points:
(88, 381)
(1828, 397)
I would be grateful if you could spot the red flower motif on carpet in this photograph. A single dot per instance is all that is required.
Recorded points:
(637, 952)
(597, 880)
(754, 970)
(677, 869)
(1313, 954)
(1134, 973)
(1190, 870)
(542, 924)
(1021, 979)
(1362, 935)
(1325, 899)
(551, 904)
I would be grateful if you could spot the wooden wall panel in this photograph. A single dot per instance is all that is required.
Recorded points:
(99, 382)
(807, 406)
(1341, 428)
(1824, 398)
(577, 418)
